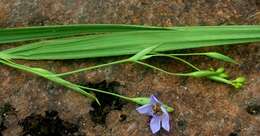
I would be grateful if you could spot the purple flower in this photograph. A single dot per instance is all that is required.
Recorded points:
(159, 114)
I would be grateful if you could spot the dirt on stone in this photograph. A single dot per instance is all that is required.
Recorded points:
(48, 125)
(30, 105)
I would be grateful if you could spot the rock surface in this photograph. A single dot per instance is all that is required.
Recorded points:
(202, 107)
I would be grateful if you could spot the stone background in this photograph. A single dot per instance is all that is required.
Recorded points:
(202, 107)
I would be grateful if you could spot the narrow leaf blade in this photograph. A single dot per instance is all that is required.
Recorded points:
(126, 43)
(9, 35)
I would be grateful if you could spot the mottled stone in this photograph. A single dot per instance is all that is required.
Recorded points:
(202, 107)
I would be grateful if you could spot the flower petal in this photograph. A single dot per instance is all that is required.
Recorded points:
(165, 119)
(145, 109)
(154, 100)
(166, 122)
(155, 124)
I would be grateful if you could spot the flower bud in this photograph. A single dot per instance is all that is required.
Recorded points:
(220, 56)
(141, 100)
(220, 70)
(223, 75)
(240, 80)
(202, 73)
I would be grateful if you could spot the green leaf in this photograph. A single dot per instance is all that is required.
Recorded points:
(146, 57)
(142, 54)
(9, 35)
(132, 42)
(4, 56)
(220, 56)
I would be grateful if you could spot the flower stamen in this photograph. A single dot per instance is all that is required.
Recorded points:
(157, 109)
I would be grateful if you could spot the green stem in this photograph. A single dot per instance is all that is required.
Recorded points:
(14, 65)
(161, 70)
(137, 100)
(105, 92)
(127, 60)
(45, 74)
(72, 86)
(91, 68)
(180, 59)
(189, 54)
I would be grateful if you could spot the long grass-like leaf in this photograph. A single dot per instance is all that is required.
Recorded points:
(124, 43)
(9, 35)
